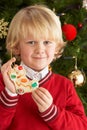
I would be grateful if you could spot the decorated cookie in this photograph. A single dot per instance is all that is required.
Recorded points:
(23, 85)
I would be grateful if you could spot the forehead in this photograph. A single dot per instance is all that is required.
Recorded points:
(38, 33)
(42, 25)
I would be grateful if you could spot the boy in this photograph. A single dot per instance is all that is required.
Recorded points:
(35, 37)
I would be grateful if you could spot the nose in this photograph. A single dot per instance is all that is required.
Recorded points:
(40, 48)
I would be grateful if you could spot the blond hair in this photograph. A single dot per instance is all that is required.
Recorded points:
(35, 20)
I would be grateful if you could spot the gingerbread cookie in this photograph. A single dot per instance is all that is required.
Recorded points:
(23, 85)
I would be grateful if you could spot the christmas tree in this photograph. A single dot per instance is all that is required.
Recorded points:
(73, 16)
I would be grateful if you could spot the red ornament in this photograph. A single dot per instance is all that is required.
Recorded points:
(20, 67)
(69, 31)
(80, 25)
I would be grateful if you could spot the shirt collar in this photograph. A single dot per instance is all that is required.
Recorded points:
(34, 74)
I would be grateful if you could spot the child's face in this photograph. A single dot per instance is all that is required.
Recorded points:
(37, 54)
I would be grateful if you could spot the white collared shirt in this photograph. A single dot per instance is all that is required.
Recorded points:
(34, 74)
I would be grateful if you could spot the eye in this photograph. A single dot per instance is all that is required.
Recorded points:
(31, 42)
(48, 42)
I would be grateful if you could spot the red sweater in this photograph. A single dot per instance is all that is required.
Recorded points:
(21, 113)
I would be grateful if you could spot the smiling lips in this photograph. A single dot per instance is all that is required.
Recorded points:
(39, 57)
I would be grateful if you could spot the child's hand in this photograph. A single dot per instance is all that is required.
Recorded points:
(42, 98)
(4, 70)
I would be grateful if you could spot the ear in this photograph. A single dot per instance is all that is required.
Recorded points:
(16, 50)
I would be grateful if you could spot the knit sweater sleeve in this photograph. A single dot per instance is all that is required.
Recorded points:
(7, 107)
(70, 117)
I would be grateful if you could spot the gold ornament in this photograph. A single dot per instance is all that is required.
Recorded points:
(77, 76)
(85, 4)
(3, 28)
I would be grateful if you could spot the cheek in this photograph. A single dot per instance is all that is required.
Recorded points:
(24, 53)
(52, 53)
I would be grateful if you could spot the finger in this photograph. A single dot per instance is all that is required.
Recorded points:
(11, 61)
(45, 92)
(7, 65)
(45, 96)
(42, 103)
(42, 98)
(37, 99)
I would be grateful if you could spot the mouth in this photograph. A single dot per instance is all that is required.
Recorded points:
(39, 57)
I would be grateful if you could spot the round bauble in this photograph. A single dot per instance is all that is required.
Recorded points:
(69, 31)
(77, 77)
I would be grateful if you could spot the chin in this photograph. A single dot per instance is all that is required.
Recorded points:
(38, 68)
